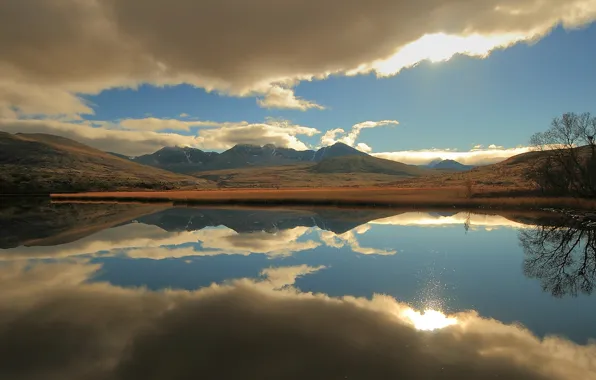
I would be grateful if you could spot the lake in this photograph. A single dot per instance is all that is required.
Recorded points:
(152, 291)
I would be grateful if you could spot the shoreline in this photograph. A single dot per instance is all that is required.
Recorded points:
(337, 197)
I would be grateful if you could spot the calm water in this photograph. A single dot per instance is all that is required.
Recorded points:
(121, 291)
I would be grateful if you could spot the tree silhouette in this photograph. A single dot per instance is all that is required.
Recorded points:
(562, 257)
(568, 161)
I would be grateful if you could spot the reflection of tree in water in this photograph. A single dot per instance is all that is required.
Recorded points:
(563, 258)
(468, 222)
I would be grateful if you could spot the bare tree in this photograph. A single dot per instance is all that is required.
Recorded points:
(567, 165)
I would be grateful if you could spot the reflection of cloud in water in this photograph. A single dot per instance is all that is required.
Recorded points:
(146, 241)
(116, 238)
(280, 243)
(423, 219)
(281, 277)
(349, 239)
(76, 329)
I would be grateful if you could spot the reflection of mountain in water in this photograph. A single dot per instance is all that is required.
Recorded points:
(562, 257)
(270, 220)
(37, 222)
(41, 223)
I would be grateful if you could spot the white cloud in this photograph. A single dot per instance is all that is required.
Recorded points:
(103, 137)
(135, 137)
(476, 156)
(280, 133)
(364, 147)
(281, 97)
(349, 138)
(258, 47)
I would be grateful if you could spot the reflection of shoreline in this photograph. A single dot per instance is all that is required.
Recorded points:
(428, 219)
(167, 233)
(44, 224)
(246, 329)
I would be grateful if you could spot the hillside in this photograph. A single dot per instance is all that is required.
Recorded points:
(367, 164)
(40, 163)
(37, 222)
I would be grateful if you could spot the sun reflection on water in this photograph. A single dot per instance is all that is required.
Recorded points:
(429, 320)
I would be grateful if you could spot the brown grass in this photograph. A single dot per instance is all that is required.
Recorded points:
(361, 197)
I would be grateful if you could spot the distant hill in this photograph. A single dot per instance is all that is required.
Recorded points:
(192, 160)
(451, 165)
(367, 164)
(510, 173)
(41, 163)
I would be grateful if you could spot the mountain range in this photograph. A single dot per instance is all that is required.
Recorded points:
(192, 160)
(41, 163)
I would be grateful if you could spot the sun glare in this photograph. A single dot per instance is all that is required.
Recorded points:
(429, 320)
(440, 47)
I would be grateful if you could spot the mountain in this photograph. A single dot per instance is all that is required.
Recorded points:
(178, 159)
(180, 219)
(451, 165)
(253, 155)
(41, 163)
(337, 150)
(366, 164)
(191, 160)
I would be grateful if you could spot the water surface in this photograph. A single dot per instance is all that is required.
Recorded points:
(123, 291)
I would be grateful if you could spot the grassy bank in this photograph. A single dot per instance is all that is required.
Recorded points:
(361, 197)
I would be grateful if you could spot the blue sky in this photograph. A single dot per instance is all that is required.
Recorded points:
(428, 79)
(466, 101)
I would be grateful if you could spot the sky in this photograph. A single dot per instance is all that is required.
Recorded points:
(405, 80)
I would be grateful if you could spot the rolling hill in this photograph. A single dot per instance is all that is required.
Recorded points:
(367, 164)
(40, 163)
(508, 174)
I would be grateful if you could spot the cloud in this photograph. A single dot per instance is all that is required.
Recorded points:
(102, 137)
(247, 330)
(279, 133)
(184, 115)
(476, 156)
(364, 147)
(280, 97)
(249, 48)
(349, 138)
(134, 137)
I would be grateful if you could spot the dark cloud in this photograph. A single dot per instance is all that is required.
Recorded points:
(243, 47)
(56, 325)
